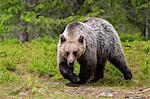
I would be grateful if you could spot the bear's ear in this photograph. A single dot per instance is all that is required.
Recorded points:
(62, 38)
(81, 38)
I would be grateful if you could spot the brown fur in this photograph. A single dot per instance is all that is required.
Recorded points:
(91, 43)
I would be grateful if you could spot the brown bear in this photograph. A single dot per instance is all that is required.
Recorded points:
(91, 43)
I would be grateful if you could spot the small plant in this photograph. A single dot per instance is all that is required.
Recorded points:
(9, 64)
(39, 67)
(146, 48)
(6, 76)
(130, 37)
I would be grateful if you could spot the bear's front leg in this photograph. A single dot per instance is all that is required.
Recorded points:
(67, 73)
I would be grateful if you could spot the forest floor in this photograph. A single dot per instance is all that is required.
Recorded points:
(45, 88)
(30, 71)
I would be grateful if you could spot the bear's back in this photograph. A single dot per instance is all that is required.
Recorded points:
(107, 37)
(98, 24)
(103, 29)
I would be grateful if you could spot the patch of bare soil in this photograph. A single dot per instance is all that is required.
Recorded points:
(109, 92)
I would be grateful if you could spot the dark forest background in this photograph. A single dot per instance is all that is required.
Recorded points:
(28, 19)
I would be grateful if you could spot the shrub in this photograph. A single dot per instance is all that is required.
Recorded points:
(6, 76)
(130, 37)
(38, 66)
(146, 48)
(9, 64)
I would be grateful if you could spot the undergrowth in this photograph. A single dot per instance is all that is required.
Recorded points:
(39, 57)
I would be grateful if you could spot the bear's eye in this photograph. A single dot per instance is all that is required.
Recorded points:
(75, 53)
(67, 53)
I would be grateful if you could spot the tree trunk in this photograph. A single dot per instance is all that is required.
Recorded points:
(31, 1)
(76, 3)
(22, 34)
(145, 28)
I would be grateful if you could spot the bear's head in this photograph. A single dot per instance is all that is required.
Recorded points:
(72, 49)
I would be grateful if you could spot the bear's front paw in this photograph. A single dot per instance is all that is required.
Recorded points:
(128, 75)
(72, 85)
(75, 80)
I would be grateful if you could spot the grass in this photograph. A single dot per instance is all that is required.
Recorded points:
(30, 70)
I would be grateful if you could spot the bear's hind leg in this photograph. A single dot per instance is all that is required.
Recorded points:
(86, 74)
(120, 62)
(99, 72)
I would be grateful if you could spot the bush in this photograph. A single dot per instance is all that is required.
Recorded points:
(6, 76)
(146, 49)
(38, 66)
(9, 64)
(130, 37)
(44, 57)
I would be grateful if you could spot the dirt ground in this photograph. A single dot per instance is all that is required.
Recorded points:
(58, 90)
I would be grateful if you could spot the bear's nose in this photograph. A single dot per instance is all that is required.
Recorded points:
(71, 63)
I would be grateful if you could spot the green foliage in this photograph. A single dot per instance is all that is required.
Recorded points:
(50, 17)
(146, 69)
(45, 61)
(39, 67)
(31, 64)
(9, 64)
(6, 76)
(130, 37)
(10, 42)
(140, 4)
(146, 49)
(9, 11)
(39, 57)
(52, 26)
(137, 13)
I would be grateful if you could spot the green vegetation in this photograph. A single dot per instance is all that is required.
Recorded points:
(49, 17)
(130, 37)
(33, 66)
